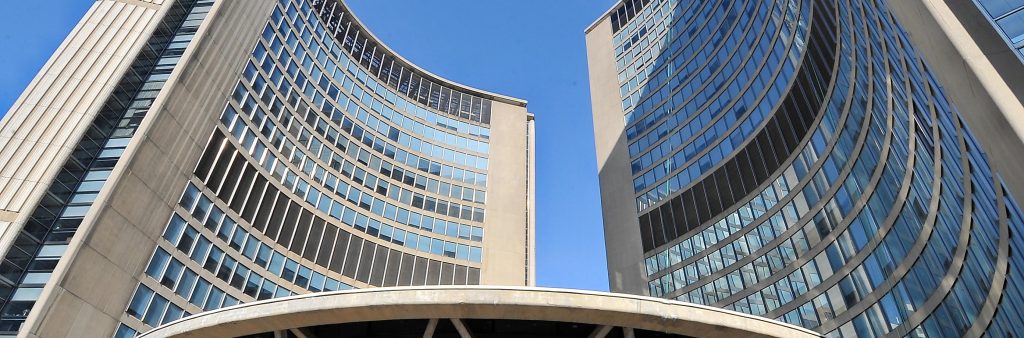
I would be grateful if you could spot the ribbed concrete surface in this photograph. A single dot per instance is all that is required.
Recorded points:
(46, 122)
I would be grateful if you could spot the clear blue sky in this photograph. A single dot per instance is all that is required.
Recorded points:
(531, 49)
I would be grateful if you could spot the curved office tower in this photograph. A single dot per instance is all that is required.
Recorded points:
(179, 156)
(798, 160)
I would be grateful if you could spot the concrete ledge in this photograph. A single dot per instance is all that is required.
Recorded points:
(8, 216)
(509, 303)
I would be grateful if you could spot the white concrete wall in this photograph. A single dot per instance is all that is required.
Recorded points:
(621, 222)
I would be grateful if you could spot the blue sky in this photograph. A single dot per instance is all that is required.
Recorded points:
(531, 49)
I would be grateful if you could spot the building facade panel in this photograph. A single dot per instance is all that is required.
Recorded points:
(798, 160)
(622, 241)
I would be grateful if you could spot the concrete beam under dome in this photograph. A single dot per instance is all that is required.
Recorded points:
(461, 307)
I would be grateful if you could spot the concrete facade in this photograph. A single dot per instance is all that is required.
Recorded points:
(462, 304)
(622, 241)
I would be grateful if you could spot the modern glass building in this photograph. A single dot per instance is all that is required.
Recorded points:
(179, 156)
(801, 161)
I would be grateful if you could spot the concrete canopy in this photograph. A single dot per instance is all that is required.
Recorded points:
(604, 311)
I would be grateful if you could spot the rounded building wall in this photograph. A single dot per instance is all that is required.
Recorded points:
(796, 160)
(474, 312)
(336, 164)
